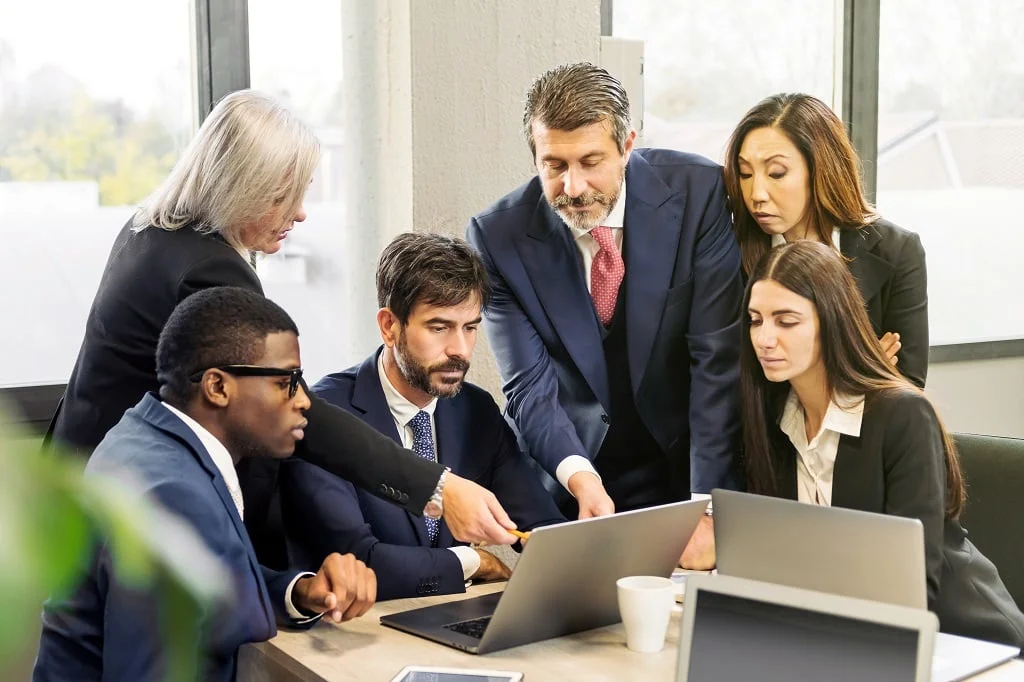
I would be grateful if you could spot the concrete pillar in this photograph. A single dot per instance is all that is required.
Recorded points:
(434, 117)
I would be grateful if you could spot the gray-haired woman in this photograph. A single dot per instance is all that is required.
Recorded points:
(238, 189)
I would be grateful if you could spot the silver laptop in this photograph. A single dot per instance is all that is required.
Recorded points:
(843, 552)
(564, 581)
(840, 551)
(737, 629)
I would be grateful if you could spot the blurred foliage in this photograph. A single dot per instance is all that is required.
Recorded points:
(50, 519)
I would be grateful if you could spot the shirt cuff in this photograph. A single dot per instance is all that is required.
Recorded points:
(703, 496)
(573, 464)
(469, 559)
(297, 616)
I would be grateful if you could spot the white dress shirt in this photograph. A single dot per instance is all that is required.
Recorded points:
(226, 467)
(402, 411)
(816, 460)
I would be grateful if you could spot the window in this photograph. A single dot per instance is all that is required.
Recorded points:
(950, 144)
(95, 106)
(706, 64)
(307, 277)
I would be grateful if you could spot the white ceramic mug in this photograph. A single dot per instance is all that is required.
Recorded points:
(645, 604)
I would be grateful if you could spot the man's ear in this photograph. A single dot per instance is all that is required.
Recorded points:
(389, 326)
(216, 388)
(627, 147)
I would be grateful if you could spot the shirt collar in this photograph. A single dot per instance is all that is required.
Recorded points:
(779, 240)
(218, 453)
(401, 409)
(844, 415)
(615, 220)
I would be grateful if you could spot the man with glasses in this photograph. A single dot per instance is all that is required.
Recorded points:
(430, 289)
(230, 388)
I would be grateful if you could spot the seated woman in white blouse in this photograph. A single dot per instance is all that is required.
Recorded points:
(827, 420)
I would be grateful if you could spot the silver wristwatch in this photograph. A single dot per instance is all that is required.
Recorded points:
(435, 505)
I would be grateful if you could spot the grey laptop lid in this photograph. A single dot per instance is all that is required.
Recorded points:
(736, 629)
(840, 551)
(564, 581)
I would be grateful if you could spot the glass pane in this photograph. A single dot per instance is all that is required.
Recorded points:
(95, 106)
(306, 277)
(950, 144)
(707, 63)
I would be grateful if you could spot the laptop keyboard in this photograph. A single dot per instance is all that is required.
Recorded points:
(472, 628)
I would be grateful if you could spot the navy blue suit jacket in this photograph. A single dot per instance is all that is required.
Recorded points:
(324, 513)
(109, 631)
(682, 308)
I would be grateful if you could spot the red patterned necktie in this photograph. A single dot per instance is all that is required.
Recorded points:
(606, 273)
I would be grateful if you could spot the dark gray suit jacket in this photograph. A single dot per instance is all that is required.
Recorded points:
(897, 466)
(888, 263)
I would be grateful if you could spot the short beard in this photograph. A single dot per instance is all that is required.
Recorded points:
(241, 446)
(418, 376)
(583, 221)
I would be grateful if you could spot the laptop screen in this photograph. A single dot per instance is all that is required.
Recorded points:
(742, 639)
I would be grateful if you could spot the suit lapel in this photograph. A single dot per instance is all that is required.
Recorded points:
(551, 260)
(651, 241)
(368, 399)
(870, 270)
(447, 418)
(160, 417)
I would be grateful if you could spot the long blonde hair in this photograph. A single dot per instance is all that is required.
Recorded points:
(249, 155)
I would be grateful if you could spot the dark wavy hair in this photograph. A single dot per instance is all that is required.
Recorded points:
(836, 193)
(429, 268)
(855, 363)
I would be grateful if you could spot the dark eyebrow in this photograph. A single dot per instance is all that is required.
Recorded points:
(773, 156)
(776, 313)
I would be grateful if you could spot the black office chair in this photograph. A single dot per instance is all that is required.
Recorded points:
(994, 514)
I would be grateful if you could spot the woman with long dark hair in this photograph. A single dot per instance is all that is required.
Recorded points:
(827, 420)
(791, 173)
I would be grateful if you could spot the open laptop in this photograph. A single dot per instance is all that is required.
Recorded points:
(737, 629)
(564, 581)
(842, 552)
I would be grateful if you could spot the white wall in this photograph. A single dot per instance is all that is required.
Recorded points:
(980, 396)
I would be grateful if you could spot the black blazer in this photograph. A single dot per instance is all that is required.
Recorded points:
(325, 514)
(897, 466)
(147, 274)
(888, 263)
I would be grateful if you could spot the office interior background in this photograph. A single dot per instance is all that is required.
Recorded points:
(418, 104)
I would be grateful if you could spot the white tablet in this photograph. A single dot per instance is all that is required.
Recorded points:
(418, 673)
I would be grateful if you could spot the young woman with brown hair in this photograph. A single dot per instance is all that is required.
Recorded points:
(827, 420)
(791, 173)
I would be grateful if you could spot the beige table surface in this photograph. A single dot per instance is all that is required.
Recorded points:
(362, 649)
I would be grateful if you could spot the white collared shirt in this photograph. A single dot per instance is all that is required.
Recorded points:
(779, 239)
(226, 468)
(816, 460)
(403, 411)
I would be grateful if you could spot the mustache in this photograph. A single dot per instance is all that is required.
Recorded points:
(451, 365)
(583, 200)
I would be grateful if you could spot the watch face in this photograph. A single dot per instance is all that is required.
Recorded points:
(433, 509)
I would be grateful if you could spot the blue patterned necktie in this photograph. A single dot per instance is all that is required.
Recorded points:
(423, 445)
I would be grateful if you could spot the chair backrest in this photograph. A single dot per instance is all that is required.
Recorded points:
(994, 514)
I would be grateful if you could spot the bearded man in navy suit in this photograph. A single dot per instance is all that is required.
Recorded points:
(615, 316)
(430, 289)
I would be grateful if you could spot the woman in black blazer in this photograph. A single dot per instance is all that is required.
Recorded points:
(791, 173)
(826, 420)
(237, 190)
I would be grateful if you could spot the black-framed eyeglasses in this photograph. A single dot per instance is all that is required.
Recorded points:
(294, 375)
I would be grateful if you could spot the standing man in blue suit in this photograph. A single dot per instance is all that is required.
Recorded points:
(430, 289)
(229, 372)
(615, 316)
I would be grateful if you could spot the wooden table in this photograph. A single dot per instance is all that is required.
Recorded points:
(364, 650)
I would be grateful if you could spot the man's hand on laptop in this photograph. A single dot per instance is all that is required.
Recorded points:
(590, 495)
(699, 554)
(344, 587)
(473, 513)
(491, 567)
